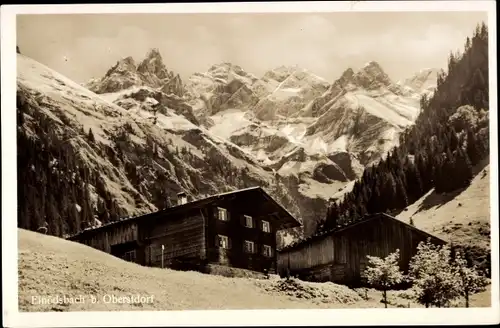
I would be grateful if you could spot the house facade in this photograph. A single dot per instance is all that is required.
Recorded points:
(340, 255)
(236, 229)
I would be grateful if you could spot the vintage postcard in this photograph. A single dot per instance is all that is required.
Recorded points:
(165, 163)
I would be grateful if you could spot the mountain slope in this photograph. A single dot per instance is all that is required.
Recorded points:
(365, 110)
(460, 217)
(343, 127)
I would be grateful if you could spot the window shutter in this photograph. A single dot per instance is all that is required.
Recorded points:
(254, 222)
(242, 220)
(228, 215)
(217, 240)
(229, 244)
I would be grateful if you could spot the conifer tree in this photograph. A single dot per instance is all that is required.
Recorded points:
(91, 136)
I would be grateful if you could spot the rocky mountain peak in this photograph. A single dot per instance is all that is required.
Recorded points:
(424, 81)
(153, 64)
(226, 70)
(373, 66)
(280, 73)
(372, 76)
(346, 78)
(123, 66)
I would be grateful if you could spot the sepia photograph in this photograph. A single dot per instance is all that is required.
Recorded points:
(291, 157)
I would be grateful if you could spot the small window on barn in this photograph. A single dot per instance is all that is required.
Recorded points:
(266, 227)
(248, 221)
(130, 256)
(267, 251)
(223, 241)
(222, 214)
(249, 246)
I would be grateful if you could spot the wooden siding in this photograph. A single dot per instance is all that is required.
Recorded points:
(345, 251)
(311, 255)
(237, 233)
(183, 238)
(106, 238)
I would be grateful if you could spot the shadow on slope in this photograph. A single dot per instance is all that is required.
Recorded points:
(434, 199)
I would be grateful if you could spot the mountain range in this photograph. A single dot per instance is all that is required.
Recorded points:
(302, 138)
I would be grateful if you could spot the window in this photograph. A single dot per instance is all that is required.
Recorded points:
(130, 256)
(223, 241)
(267, 251)
(248, 221)
(249, 246)
(266, 227)
(222, 214)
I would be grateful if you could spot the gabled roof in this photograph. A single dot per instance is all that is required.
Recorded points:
(351, 225)
(287, 219)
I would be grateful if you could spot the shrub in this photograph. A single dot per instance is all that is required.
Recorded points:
(469, 280)
(383, 273)
(434, 281)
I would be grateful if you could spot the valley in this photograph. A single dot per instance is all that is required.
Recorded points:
(156, 136)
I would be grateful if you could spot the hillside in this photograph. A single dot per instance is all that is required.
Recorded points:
(53, 266)
(461, 217)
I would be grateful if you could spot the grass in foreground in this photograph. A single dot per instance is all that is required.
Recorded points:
(50, 266)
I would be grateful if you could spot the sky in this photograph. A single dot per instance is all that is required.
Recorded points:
(85, 46)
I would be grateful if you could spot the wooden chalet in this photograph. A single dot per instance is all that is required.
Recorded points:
(236, 229)
(339, 255)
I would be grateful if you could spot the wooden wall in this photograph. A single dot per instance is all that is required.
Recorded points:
(106, 237)
(310, 255)
(344, 252)
(182, 235)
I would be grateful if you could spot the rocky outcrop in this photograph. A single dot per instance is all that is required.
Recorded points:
(164, 102)
(174, 86)
(422, 82)
(371, 77)
(151, 72)
(153, 69)
(122, 75)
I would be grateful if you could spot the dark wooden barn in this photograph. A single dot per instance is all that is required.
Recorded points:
(340, 255)
(236, 229)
